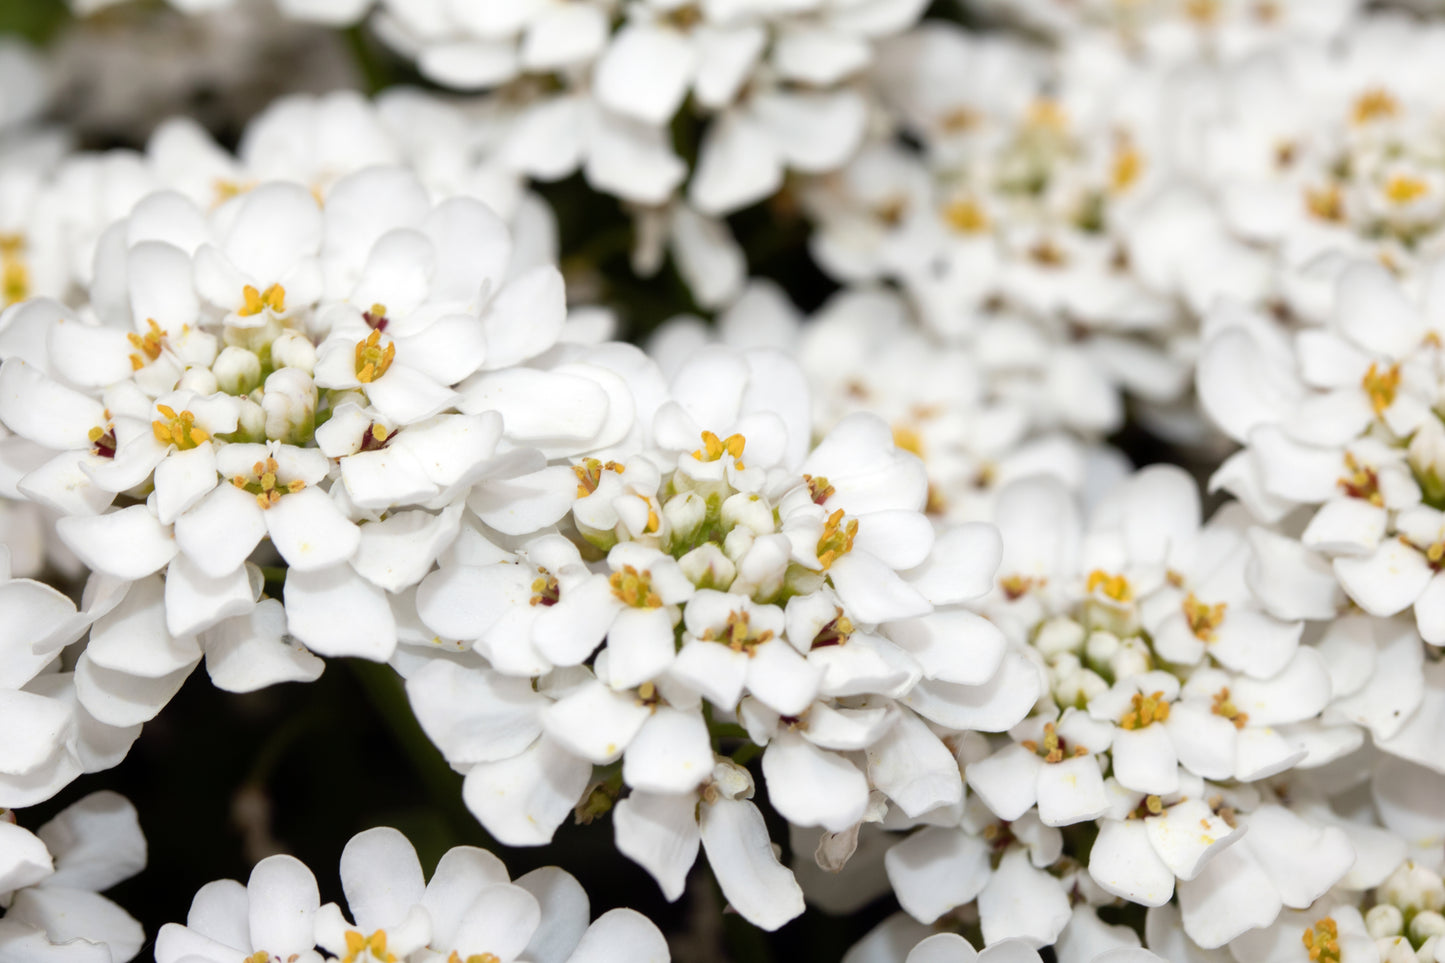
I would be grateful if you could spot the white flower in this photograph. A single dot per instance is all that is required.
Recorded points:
(51, 882)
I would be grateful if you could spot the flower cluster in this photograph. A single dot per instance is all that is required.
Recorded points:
(851, 588)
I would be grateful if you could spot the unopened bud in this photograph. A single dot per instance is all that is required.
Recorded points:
(750, 511)
(250, 422)
(685, 514)
(1427, 458)
(1396, 949)
(1384, 920)
(237, 371)
(293, 350)
(1132, 658)
(1425, 925)
(1412, 886)
(290, 404)
(1061, 634)
(707, 567)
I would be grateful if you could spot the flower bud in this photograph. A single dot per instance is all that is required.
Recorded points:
(1425, 925)
(1131, 658)
(1078, 688)
(1431, 951)
(250, 422)
(707, 567)
(1100, 648)
(292, 349)
(1060, 634)
(1395, 949)
(290, 404)
(237, 371)
(737, 542)
(1412, 886)
(1427, 458)
(1384, 920)
(199, 380)
(685, 513)
(750, 511)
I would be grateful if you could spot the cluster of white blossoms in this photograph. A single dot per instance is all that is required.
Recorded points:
(862, 601)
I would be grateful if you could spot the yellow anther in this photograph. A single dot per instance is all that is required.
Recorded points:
(1145, 711)
(1361, 482)
(714, 447)
(1322, 941)
(960, 120)
(589, 474)
(1127, 168)
(964, 215)
(1205, 13)
(634, 588)
(258, 957)
(1403, 188)
(818, 488)
(909, 439)
(1326, 203)
(1153, 805)
(891, 210)
(263, 483)
(148, 345)
(738, 635)
(654, 523)
(180, 430)
(372, 360)
(1053, 748)
(226, 189)
(1381, 386)
(1226, 708)
(837, 539)
(1047, 114)
(1374, 104)
(102, 441)
(1203, 618)
(545, 590)
(474, 958)
(1016, 587)
(1115, 587)
(255, 301)
(1048, 254)
(14, 281)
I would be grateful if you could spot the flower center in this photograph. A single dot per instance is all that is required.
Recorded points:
(372, 360)
(738, 635)
(634, 588)
(1326, 203)
(1016, 587)
(715, 447)
(1148, 806)
(1322, 941)
(545, 590)
(1374, 104)
(835, 632)
(375, 438)
(909, 439)
(376, 318)
(264, 485)
(818, 488)
(960, 119)
(1204, 13)
(255, 301)
(1403, 188)
(147, 346)
(964, 215)
(1361, 482)
(1053, 748)
(1115, 587)
(180, 430)
(1145, 711)
(1203, 618)
(837, 539)
(1127, 167)
(1434, 552)
(589, 474)
(474, 958)
(373, 945)
(225, 189)
(1381, 386)
(102, 441)
(14, 273)
(1047, 114)
(1224, 707)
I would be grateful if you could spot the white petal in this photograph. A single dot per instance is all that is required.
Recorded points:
(1144, 760)
(659, 832)
(1071, 791)
(937, 869)
(120, 699)
(912, 767)
(621, 936)
(475, 715)
(220, 532)
(741, 856)
(335, 612)
(644, 73)
(1301, 859)
(1386, 581)
(310, 532)
(381, 876)
(595, 722)
(952, 646)
(195, 601)
(129, 544)
(1007, 781)
(133, 637)
(1187, 835)
(252, 652)
(1231, 895)
(521, 801)
(1022, 902)
(670, 754)
(283, 900)
(810, 786)
(1123, 862)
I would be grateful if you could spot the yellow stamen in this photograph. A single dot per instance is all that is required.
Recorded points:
(1054, 748)
(634, 588)
(959, 120)
(1226, 708)
(1016, 587)
(1381, 386)
(148, 345)
(1361, 482)
(1115, 587)
(837, 539)
(909, 439)
(1203, 12)
(1145, 711)
(738, 635)
(180, 430)
(589, 474)
(1374, 104)
(818, 488)
(1203, 618)
(1127, 168)
(1046, 114)
(1326, 203)
(545, 590)
(1403, 188)
(264, 485)
(964, 215)
(1322, 941)
(255, 301)
(372, 360)
(714, 447)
